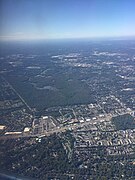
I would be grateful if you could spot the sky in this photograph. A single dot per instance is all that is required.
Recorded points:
(56, 19)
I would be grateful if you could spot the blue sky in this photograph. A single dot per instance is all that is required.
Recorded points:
(50, 19)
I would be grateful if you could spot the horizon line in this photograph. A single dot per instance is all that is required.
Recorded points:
(123, 37)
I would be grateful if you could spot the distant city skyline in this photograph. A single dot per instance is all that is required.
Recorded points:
(61, 19)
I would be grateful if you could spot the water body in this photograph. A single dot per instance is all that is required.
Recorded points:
(45, 87)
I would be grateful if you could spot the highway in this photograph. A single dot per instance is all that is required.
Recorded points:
(60, 129)
(54, 130)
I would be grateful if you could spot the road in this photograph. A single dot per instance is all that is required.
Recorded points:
(18, 95)
(60, 129)
(54, 130)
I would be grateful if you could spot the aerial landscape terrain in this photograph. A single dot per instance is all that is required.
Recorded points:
(67, 109)
(67, 90)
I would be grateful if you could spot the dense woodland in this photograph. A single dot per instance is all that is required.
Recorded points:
(124, 122)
